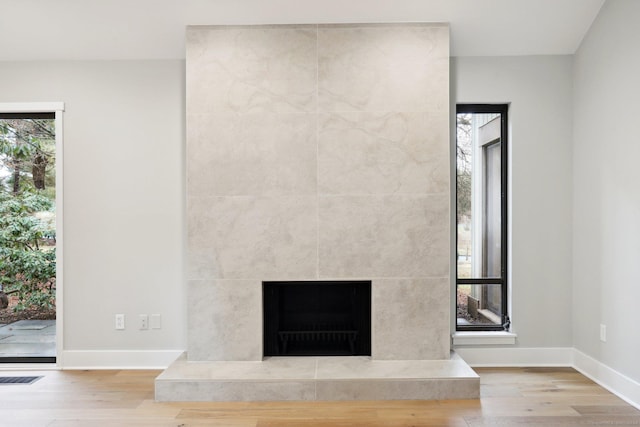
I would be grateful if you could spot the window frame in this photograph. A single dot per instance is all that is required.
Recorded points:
(501, 109)
(57, 108)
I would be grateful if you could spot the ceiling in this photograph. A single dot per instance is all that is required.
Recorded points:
(154, 29)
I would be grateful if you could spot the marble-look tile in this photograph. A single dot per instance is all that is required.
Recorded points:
(251, 154)
(429, 389)
(264, 238)
(225, 320)
(388, 67)
(251, 68)
(384, 236)
(201, 263)
(271, 368)
(411, 319)
(346, 368)
(381, 153)
(255, 169)
(234, 391)
(336, 378)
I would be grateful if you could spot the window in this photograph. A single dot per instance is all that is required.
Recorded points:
(481, 217)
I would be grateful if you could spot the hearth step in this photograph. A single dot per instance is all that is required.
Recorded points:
(317, 378)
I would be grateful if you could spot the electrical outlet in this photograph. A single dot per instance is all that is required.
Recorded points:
(144, 321)
(156, 321)
(119, 321)
(603, 333)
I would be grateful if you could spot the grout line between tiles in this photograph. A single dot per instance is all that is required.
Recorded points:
(317, 114)
(315, 380)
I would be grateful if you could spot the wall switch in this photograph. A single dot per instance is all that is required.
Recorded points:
(156, 321)
(143, 321)
(119, 321)
(603, 333)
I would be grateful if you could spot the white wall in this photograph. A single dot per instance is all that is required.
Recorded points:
(539, 91)
(123, 189)
(606, 238)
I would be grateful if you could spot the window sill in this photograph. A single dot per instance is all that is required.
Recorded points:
(484, 338)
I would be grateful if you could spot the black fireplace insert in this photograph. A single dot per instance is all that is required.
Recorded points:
(320, 318)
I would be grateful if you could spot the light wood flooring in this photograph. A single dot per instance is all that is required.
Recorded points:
(529, 397)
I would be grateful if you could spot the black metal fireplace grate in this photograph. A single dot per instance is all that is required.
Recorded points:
(319, 334)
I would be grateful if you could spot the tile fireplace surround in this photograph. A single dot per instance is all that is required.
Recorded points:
(318, 152)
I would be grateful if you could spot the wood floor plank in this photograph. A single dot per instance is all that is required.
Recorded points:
(606, 410)
(536, 421)
(532, 397)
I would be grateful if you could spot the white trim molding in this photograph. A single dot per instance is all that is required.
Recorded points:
(31, 107)
(622, 386)
(508, 356)
(59, 231)
(29, 367)
(484, 338)
(119, 359)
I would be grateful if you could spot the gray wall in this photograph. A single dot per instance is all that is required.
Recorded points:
(538, 89)
(606, 234)
(123, 195)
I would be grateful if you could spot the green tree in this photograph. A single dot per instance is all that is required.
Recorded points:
(27, 258)
(463, 166)
(27, 148)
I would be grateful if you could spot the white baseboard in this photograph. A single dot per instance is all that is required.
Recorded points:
(118, 359)
(501, 356)
(622, 386)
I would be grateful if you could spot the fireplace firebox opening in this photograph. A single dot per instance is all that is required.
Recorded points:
(319, 318)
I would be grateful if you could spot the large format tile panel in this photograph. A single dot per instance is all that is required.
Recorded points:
(225, 320)
(383, 153)
(413, 389)
(234, 391)
(251, 69)
(383, 67)
(252, 154)
(415, 328)
(263, 238)
(384, 236)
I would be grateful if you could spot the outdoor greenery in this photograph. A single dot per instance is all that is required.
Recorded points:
(463, 167)
(27, 213)
(464, 160)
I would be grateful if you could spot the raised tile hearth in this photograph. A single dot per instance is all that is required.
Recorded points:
(318, 378)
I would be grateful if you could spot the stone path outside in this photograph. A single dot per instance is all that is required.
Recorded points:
(28, 338)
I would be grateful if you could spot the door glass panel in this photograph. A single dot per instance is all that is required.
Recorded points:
(27, 237)
(479, 305)
(479, 195)
(492, 261)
